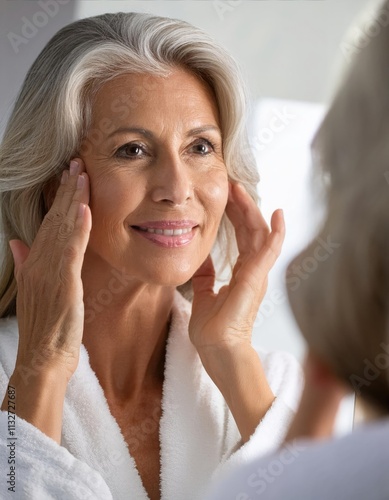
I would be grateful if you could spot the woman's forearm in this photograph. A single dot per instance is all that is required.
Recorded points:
(39, 401)
(239, 375)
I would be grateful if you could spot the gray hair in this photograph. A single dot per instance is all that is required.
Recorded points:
(52, 113)
(343, 308)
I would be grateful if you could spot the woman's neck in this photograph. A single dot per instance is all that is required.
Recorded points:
(125, 332)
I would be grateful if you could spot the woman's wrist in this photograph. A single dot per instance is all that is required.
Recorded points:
(238, 373)
(38, 400)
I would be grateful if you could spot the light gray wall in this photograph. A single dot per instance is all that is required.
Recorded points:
(287, 49)
(16, 59)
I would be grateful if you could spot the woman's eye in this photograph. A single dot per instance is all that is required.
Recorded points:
(133, 150)
(203, 148)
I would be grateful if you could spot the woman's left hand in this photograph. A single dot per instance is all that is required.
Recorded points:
(221, 323)
(222, 320)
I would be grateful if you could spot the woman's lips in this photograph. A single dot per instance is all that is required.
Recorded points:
(167, 234)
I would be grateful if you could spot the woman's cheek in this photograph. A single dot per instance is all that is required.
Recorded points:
(105, 187)
(214, 189)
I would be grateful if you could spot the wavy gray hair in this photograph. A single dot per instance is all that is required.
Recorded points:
(52, 114)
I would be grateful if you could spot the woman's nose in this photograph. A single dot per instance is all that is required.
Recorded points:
(172, 181)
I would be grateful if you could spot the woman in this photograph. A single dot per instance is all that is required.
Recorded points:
(125, 388)
(343, 309)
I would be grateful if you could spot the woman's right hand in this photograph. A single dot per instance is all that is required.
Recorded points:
(49, 306)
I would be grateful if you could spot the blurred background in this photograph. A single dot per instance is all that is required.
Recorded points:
(287, 49)
(292, 54)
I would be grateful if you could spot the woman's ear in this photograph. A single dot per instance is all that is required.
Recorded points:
(322, 381)
(319, 373)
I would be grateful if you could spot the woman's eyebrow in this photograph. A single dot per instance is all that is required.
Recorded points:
(149, 135)
(201, 130)
(136, 130)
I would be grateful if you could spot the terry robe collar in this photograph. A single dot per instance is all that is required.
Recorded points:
(194, 426)
(199, 439)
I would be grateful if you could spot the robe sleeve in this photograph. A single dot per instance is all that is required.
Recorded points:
(32, 465)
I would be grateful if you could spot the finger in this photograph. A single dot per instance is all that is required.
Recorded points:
(56, 222)
(257, 267)
(66, 190)
(250, 227)
(235, 270)
(20, 252)
(80, 195)
(75, 248)
(74, 232)
(242, 209)
(277, 225)
(204, 278)
(273, 244)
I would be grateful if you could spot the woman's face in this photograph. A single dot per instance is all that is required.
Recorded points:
(159, 185)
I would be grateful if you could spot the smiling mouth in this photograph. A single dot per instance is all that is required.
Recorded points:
(167, 238)
(165, 232)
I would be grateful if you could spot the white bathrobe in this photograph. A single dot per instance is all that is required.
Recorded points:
(199, 439)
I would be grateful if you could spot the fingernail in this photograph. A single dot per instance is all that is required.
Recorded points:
(73, 167)
(81, 210)
(65, 177)
(80, 182)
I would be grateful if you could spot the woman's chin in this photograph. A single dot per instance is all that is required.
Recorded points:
(172, 282)
(163, 277)
(172, 273)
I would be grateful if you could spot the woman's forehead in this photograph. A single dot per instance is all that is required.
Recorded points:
(133, 99)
